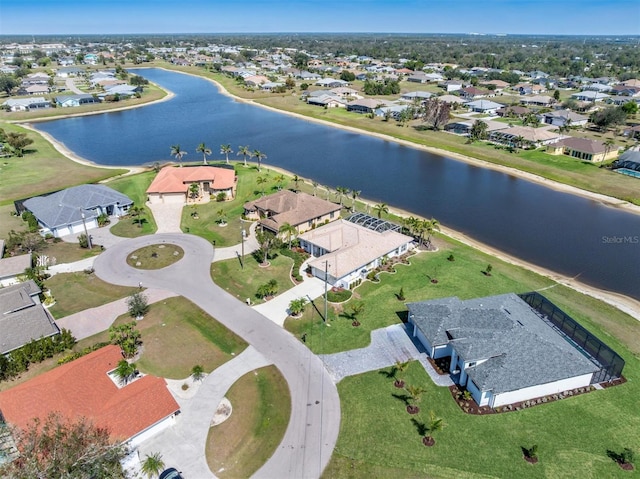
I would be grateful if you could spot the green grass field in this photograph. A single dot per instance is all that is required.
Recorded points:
(135, 187)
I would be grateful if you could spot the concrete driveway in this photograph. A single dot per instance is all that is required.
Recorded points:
(168, 216)
(315, 406)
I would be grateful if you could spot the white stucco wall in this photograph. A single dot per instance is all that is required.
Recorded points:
(138, 439)
(173, 198)
(540, 390)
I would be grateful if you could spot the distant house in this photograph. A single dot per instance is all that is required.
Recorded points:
(421, 77)
(22, 316)
(583, 149)
(332, 83)
(525, 136)
(463, 127)
(513, 111)
(564, 118)
(498, 85)
(487, 107)
(272, 85)
(348, 251)
(300, 210)
(365, 105)
(537, 100)
(451, 85)
(508, 348)
(76, 100)
(419, 96)
(326, 99)
(72, 210)
(26, 104)
(472, 93)
(591, 96)
(69, 71)
(83, 388)
(172, 184)
(12, 267)
(122, 90)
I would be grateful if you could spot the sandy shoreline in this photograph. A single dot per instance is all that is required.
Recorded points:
(624, 303)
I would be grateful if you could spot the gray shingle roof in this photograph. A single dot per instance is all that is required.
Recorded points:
(64, 207)
(515, 347)
(21, 317)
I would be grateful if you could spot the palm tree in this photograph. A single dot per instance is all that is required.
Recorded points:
(296, 306)
(261, 181)
(356, 310)
(244, 151)
(125, 372)
(399, 368)
(608, 145)
(202, 148)
(410, 223)
(197, 372)
(225, 150)
(136, 212)
(354, 195)
(415, 392)
(315, 185)
(296, 181)
(478, 131)
(435, 424)
(260, 156)
(381, 208)
(341, 191)
(518, 141)
(178, 153)
(279, 180)
(152, 465)
(289, 231)
(222, 214)
(429, 227)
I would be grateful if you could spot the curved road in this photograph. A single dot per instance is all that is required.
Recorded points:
(315, 406)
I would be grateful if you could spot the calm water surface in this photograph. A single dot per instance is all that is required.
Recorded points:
(564, 233)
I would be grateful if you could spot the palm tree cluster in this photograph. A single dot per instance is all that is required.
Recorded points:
(225, 149)
(419, 227)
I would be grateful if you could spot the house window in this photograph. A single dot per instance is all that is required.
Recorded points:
(331, 215)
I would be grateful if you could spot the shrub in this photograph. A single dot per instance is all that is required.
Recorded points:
(451, 258)
(222, 196)
(83, 240)
(137, 304)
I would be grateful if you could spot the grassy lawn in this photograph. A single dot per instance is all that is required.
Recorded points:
(155, 256)
(135, 187)
(76, 292)
(261, 408)
(68, 252)
(38, 171)
(244, 283)
(207, 225)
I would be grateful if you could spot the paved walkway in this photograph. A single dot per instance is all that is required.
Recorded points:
(99, 236)
(167, 216)
(250, 245)
(92, 321)
(388, 345)
(314, 424)
(182, 445)
(74, 267)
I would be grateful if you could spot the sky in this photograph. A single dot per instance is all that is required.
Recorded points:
(571, 17)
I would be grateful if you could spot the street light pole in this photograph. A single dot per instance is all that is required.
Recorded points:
(84, 223)
(326, 280)
(242, 241)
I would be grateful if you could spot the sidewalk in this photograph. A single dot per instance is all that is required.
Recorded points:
(76, 266)
(95, 320)
(250, 245)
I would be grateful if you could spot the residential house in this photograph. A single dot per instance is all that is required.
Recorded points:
(563, 118)
(589, 96)
(300, 210)
(525, 136)
(393, 111)
(38, 78)
(345, 251)
(451, 85)
(12, 267)
(68, 72)
(327, 100)
(498, 85)
(452, 100)
(75, 209)
(514, 111)
(538, 100)
(629, 160)
(75, 100)
(486, 107)
(173, 184)
(583, 149)
(346, 92)
(256, 80)
(421, 77)
(472, 93)
(331, 83)
(86, 387)
(22, 316)
(271, 86)
(508, 348)
(365, 105)
(416, 96)
(26, 104)
(463, 127)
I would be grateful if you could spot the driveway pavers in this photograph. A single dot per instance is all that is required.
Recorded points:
(167, 216)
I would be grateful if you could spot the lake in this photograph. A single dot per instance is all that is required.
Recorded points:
(565, 233)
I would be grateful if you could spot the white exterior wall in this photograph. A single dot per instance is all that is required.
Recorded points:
(173, 198)
(72, 229)
(442, 351)
(482, 398)
(139, 438)
(540, 390)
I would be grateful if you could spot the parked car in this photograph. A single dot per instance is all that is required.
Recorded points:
(170, 473)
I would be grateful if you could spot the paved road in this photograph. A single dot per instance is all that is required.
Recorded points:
(315, 406)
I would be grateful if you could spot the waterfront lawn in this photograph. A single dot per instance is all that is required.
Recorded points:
(135, 187)
(261, 408)
(572, 435)
(75, 292)
(207, 223)
(244, 283)
(39, 170)
(462, 277)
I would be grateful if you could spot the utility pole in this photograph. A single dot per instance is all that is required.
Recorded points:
(84, 223)
(326, 278)
(242, 241)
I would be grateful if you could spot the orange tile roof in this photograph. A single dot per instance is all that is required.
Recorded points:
(82, 388)
(173, 179)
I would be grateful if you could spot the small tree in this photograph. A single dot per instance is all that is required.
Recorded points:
(435, 424)
(488, 270)
(399, 369)
(530, 453)
(125, 372)
(222, 217)
(83, 241)
(138, 305)
(415, 393)
(401, 294)
(297, 306)
(152, 465)
(197, 372)
(127, 337)
(194, 191)
(356, 310)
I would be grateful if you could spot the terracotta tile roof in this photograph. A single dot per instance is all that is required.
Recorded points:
(82, 388)
(173, 179)
(584, 145)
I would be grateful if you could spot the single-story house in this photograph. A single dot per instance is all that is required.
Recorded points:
(72, 210)
(26, 104)
(564, 118)
(347, 251)
(421, 77)
(76, 100)
(538, 100)
(365, 105)
(472, 93)
(122, 90)
(327, 100)
(172, 184)
(498, 85)
(513, 111)
(592, 96)
(272, 85)
(508, 348)
(332, 83)
(451, 99)
(583, 149)
(22, 316)
(33, 90)
(451, 85)
(84, 388)
(12, 267)
(300, 210)
(345, 92)
(412, 96)
(463, 127)
(630, 160)
(487, 107)
(393, 111)
(69, 71)
(525, 136)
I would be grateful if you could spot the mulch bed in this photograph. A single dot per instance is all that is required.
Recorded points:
(627, 466)
(614, 382)
(411, 409)
(530, 460)
(428, 441)
(441, 366)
